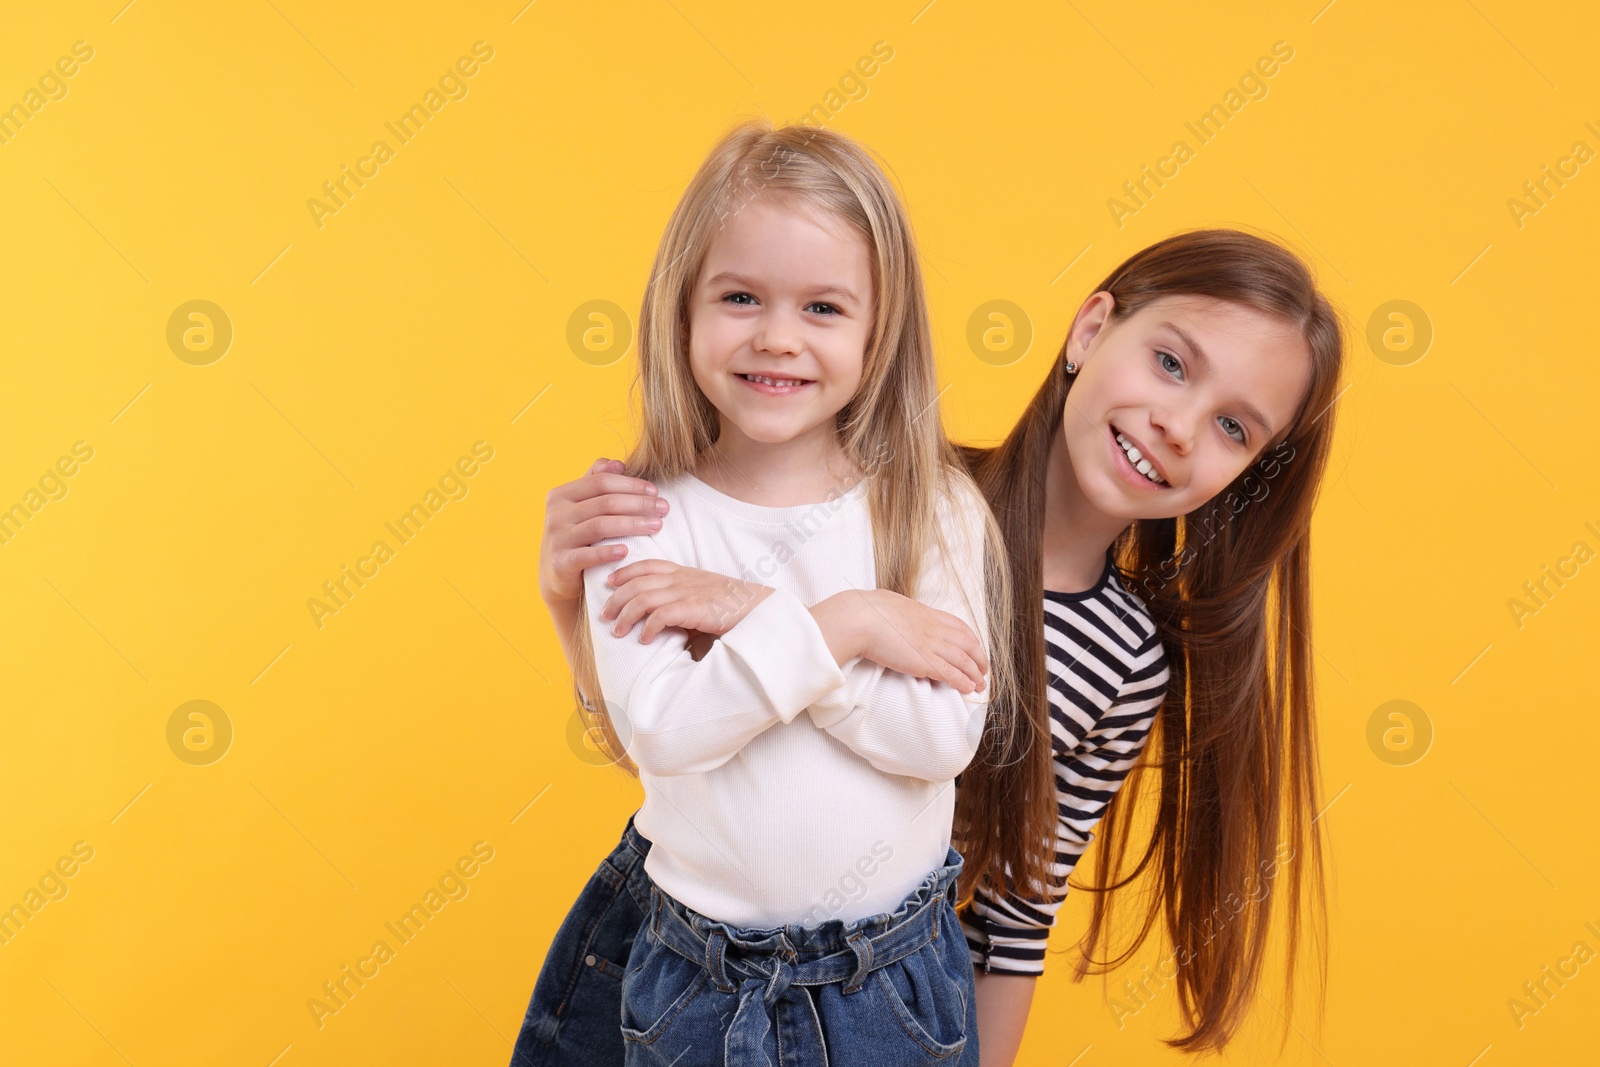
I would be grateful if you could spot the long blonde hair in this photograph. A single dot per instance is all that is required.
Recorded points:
(892, 421)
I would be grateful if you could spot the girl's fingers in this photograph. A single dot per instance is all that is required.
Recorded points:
(612, 608)
(604, 526)
(626, 616)
(569, 531)
(620, 598)
(648, 631)
(958, 657)
(962, 683)
(642, 603)
(975, 649)
(961, 634)
(931, 666)
(946, 672)
(620, 504)
(621, 485)
(950, 665)
(616, 499)
(659, 620)
(570, 564)
(644, 568)
(577, 489)
(598, 484)
(575, 562)
(663, 606)
(637, 491)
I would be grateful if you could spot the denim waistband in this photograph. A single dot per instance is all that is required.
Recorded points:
(767, 961)
(627, 859)
(634, 839)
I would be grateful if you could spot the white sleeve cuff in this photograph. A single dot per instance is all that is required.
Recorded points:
(782, 635)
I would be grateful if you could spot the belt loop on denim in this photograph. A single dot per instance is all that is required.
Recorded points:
(861, 945)
(716, 953)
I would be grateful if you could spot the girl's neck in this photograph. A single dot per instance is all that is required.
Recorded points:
(1076, 533)
(802, 470)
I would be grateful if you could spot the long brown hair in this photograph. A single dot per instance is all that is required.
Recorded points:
(1234, 744)
(892, 420)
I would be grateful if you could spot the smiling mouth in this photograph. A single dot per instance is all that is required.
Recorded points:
(1137, 462)
(766, 383)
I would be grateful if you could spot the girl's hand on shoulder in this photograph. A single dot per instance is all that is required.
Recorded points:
(662, 593)
(603, 503)
(916, 640)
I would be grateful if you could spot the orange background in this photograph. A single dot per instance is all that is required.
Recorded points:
(364, 754)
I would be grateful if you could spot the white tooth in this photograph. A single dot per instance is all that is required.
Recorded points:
(1134, 455)
(1144, 466)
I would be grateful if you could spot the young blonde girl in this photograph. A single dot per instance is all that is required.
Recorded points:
(811, 671)
(1211, 361)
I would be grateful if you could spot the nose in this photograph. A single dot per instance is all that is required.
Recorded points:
(1177, 426)
(779, 333)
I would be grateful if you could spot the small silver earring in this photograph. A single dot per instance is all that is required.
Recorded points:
(1072, 368)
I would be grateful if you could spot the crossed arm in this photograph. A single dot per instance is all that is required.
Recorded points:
(899, 681)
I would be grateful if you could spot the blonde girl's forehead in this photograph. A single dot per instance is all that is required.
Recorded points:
(771, 242)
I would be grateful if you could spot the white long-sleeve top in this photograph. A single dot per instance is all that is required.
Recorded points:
(780, 788)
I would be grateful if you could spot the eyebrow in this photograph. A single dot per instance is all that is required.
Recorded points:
(821, 290)
(1200, 357)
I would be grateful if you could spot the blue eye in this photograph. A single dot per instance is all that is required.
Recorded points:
(735, 298)
(1163, 357)
(819, 304)
(1226, 422)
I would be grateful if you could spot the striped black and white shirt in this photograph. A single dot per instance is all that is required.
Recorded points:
(1107, 678)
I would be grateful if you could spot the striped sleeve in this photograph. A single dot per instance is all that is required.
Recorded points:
(1108, 677)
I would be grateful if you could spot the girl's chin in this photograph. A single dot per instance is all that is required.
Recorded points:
(1128, 503)
(773, 432)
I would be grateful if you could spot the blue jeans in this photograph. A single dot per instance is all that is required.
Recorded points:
(574, 1017)
(887, 990)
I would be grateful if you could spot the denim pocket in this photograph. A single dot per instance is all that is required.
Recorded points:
(613, 933)
(658, 987)
(928, 1002)
(572, 1015)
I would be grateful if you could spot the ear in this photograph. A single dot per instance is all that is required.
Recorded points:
(1092, 317)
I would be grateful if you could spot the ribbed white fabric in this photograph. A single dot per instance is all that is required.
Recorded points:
(780, 788)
